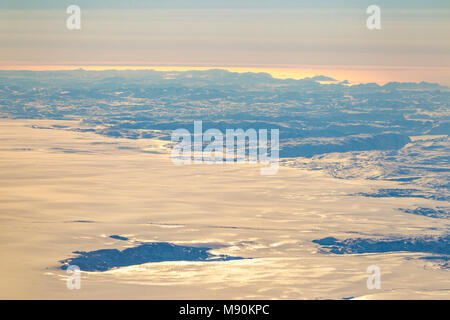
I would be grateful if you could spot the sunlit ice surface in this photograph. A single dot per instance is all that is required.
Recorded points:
(53, 180)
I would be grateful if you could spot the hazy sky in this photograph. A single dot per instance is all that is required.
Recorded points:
(294, 35)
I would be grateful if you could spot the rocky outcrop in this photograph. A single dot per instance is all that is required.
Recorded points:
(106, 259)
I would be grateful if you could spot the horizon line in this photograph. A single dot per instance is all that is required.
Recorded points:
(355, 74)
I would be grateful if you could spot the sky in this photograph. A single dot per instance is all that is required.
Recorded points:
(286, 38)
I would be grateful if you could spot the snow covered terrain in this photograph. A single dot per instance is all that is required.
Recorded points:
(86, 177)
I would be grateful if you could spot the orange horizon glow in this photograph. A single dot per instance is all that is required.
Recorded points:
(353, 74)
